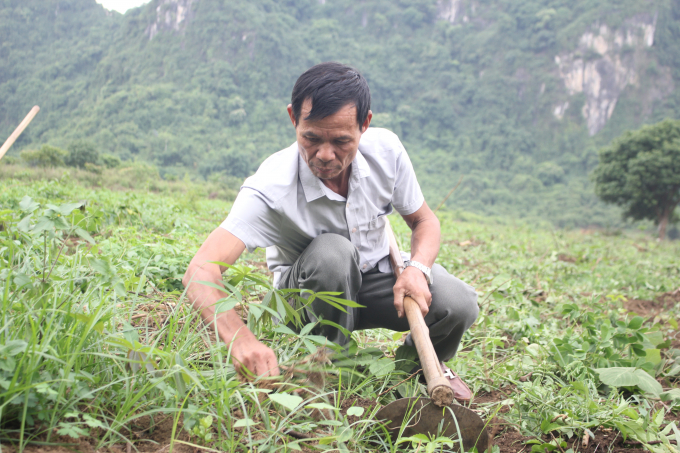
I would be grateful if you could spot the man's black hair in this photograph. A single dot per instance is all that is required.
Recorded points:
(331, 86)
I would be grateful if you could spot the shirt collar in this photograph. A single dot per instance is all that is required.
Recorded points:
(311, 185)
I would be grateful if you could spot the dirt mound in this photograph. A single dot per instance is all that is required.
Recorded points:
(147, 436)
(670, 298)
(652, 308)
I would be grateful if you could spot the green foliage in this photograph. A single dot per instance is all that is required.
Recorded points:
(46, 156)
(110, 161)
(98, 334)
(81, 153)
(640, 171)
(207, 96)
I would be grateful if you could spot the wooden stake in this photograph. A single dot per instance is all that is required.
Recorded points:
(438, 387)
(17, 132)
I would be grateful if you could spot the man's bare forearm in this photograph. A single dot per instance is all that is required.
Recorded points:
(248, 355)
(425, 239)
(224, 247)
(228, 325)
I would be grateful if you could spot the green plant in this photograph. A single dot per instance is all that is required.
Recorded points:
(81, 153)
(640, 171)
(98, 338)
(46, 156)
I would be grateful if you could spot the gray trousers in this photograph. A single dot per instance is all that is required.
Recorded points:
(331, 263)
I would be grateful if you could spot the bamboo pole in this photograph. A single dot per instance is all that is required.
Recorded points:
(17, 132)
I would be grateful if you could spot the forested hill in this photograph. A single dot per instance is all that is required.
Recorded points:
(516, 95)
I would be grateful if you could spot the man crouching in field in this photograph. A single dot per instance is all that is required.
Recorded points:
(319, 209)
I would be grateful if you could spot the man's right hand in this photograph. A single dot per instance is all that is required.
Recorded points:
(252, 358)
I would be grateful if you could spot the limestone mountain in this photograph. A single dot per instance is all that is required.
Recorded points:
(514, 95)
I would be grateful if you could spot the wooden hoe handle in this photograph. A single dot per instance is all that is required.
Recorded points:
(437, 384)
(17, 132)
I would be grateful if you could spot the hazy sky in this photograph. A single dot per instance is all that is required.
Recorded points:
(121, 5)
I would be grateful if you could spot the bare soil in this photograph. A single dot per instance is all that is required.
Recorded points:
(651, 308)
(147, 436)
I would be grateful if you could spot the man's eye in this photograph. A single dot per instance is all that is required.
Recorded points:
(312, 139)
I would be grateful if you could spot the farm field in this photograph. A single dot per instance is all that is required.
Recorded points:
(577, 347)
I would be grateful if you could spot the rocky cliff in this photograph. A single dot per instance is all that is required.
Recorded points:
(170, 15)
(604, 62)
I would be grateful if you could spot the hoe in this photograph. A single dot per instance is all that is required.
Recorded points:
(437, 415)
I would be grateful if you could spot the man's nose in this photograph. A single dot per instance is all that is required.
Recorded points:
(326, 153)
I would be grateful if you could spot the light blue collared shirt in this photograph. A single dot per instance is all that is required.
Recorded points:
(283, 206)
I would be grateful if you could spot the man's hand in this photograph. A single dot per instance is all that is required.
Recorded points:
(425, 230)
(412, 283)
(252, 358)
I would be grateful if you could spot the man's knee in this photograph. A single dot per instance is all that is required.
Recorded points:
(332, 253)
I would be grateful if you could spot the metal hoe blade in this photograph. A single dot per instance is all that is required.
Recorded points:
(421, 416)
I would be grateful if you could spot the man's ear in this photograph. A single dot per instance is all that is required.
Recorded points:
(291, 114)
(367, 122)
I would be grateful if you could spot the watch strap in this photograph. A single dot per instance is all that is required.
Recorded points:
(421, 267)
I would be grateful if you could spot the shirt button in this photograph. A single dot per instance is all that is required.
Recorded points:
(354, 230)
(364, 266)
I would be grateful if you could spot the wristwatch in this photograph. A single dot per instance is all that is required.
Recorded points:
(424, 269)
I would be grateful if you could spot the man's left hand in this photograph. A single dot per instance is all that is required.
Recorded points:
(412, 283)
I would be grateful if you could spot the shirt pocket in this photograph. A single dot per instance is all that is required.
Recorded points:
(375, 231)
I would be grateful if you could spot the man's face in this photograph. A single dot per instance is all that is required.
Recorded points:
(329, 145)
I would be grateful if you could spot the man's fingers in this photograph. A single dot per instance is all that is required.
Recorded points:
(424, 308)
(399, 301)
(273, 368)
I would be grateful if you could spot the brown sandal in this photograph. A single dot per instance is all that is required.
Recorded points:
(461, 392)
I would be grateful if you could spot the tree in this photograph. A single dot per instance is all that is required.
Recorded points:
(46, 156)
(82, 152)
(640, 171)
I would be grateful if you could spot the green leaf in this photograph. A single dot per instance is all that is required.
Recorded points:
(671, 395)
(73, 431)
(638, 350)
(27, 204)
(653, 356)
(244, 422)
(647, 383)
(286, 400)
(330, 422)
(44, 224)
(636, 323)
(13, 347)
(66, 209)
(618, 376)
(206, 422)
(25, 224)
(655, 337)
(355, 411)
(84, 235)
(675, 369)
(284, 329)
(92, 422)
(224, 305)
(381, 367)
(321, 406)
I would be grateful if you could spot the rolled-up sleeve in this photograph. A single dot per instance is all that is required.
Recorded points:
(252, 220)
(407, 197)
